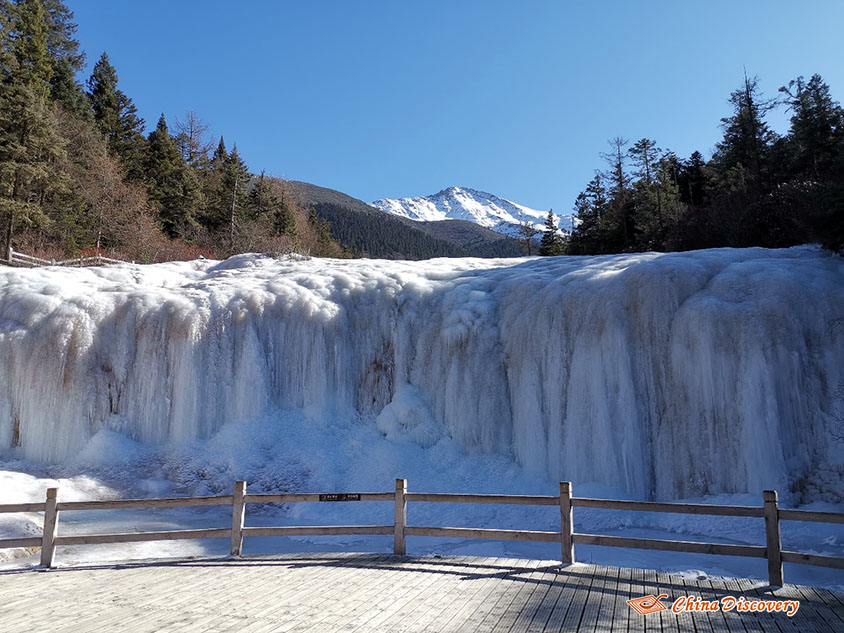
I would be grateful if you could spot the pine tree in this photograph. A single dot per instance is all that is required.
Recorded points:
(30, 151)
(817, 127)
(234, 189)
(29, 43)
(617, 223)
(66, 58)
(170, 183)
(266, 203)
(740, 157)
(590, 209)
(116, 117)
(66, 91)
(692, 179)
(551, 242)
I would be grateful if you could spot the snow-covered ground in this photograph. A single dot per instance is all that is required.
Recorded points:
(463, 203)
(708, 375)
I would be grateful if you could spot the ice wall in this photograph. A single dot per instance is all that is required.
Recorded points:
(666, 375)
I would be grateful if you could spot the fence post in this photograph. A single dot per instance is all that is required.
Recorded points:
(51, 525)
(773, 542)
(566, 523)
(399, 548)
(238, 517)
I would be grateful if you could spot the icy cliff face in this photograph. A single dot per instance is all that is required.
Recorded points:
(667, 375)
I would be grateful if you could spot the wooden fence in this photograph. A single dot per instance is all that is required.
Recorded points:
(567, 537)
(28, 261)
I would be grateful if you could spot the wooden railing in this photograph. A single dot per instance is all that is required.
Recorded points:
(567, 537)
(20, 259)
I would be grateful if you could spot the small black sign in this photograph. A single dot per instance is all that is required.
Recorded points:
(340, 497)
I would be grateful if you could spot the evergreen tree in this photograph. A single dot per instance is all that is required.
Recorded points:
(262, 199)
(617, 223)
(590, 209)
(29, 43)
(740, 157)
(170, 183)
(66, 91)
(551, 242)
(692, 180)
(117, 117)
(66, 58)
(61, 34)
(30, 152)
(234, 190)
(817, 127)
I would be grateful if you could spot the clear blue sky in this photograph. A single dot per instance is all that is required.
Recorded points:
(395, 98)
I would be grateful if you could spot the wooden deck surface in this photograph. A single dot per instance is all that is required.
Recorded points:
(364, 592)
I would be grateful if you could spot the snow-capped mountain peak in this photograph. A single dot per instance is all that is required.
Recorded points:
(463, 203)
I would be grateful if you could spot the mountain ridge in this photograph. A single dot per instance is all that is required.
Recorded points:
(472, 205)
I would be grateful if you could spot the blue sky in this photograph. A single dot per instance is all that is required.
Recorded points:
(518, 98)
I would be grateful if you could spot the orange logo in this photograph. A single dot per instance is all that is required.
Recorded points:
(648, 604)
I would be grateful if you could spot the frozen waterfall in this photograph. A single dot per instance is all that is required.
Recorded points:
(665, 375)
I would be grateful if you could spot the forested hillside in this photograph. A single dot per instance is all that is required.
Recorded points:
(367, 231)
(79, 172)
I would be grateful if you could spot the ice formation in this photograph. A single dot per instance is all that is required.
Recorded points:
(663, 375)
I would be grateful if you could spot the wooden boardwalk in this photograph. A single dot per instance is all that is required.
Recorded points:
(364, 592)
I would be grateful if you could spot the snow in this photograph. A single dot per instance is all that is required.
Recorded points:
(463, 203)
(709, 375)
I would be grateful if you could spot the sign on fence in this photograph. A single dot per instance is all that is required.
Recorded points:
(340, 497)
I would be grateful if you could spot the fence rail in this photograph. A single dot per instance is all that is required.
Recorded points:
(567, 537)
(29, 261)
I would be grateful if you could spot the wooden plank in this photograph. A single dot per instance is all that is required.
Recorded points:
(712, 590)
(577, 605)
(598, 614)
(637, 589)
(809, 515)
(508, 589)
(137, 537)
(566, 524)
(317, 530)
(773, 542)
(397, 603)
(525, 500)
(434, 601)
(824, 619)
(681, 508)
(30, 541)
(623, 593)
(503, 535)
(51, 526)
(578, 578)
(549, 603)
(546, 590)
(364, 588)
(527, 585)
(671, 546)
(22, 507)
(485, 594)
(813, 559)
(307, 497)
(238, 517)
(399, 535)
(750, 591)
(124, 504)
